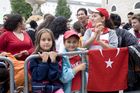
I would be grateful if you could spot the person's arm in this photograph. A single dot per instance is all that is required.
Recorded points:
(54, 66)
(113, 39)
(67, 71)
(3, 42)
(54, 71)
(39, 70)
(88, 38)
(129, 38)
(103, 44)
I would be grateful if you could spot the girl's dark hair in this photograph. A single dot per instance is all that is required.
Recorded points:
(108, 22)
(78, 27)
(59, 26)
(38, 37)
(116, 19)
(12, 22)
(47, 22)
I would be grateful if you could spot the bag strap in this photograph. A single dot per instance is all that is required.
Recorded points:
(136, 51)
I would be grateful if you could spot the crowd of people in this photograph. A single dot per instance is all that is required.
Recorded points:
(51, 73)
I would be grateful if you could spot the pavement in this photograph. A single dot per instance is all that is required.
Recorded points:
(130, 91)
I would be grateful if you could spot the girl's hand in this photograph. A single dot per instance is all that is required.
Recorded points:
(53, 56)
(18, 55)
(99, 28)
(44, 56)
(24, 52)
(4, 54)
(80, 67)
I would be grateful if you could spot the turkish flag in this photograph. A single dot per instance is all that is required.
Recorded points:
(108, 69)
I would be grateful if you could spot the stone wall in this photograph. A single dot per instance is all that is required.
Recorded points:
(122, 7)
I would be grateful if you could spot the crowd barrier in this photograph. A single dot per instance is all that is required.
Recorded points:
(11, 71)
(26, 86)
(26, 79)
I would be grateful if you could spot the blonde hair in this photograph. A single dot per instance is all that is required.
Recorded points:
(38, 37)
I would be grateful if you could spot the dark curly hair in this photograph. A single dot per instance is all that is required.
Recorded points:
(12, 22)
(59, 26)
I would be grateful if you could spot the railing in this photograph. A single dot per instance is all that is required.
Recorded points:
(26, 87)
(11, 71)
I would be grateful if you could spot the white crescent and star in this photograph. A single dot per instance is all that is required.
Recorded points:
(109, 63)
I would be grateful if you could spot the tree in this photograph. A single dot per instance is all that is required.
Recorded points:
(63, 9)
(21, 7)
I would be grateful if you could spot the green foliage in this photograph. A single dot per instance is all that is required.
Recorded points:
(63, 9)
(21, 7)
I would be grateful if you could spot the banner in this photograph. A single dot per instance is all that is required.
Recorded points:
(108, 69)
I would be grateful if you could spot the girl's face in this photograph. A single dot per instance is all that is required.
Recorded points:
(71, 43)
(96, 18)
(46, 41)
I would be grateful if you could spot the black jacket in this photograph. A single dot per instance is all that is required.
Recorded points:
(45, 72)
(133, 74)
(127, 26)
(125, 38)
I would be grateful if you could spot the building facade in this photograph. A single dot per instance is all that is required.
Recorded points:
(122, 7)
(50, 6)
(5, 8)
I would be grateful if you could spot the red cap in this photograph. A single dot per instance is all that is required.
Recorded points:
(103, 11)
(70, 33)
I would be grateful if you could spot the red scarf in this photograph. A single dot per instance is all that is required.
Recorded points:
(105, 31)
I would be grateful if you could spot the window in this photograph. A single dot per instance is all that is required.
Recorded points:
(137, 6)
(113, 8)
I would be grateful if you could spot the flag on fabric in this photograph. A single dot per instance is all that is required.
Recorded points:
(77, 80)
(108, 69)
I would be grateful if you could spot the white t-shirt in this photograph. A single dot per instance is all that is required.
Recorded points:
(60, 44)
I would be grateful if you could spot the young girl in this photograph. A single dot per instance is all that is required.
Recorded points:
(46, 70)
(72, 65)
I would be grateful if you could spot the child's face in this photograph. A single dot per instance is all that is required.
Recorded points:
(46, 41)
(71, 43)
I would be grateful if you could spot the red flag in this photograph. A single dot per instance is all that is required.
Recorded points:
(76, 81)
(108, 69)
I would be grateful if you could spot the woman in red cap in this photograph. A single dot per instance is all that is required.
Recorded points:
(101, 36)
